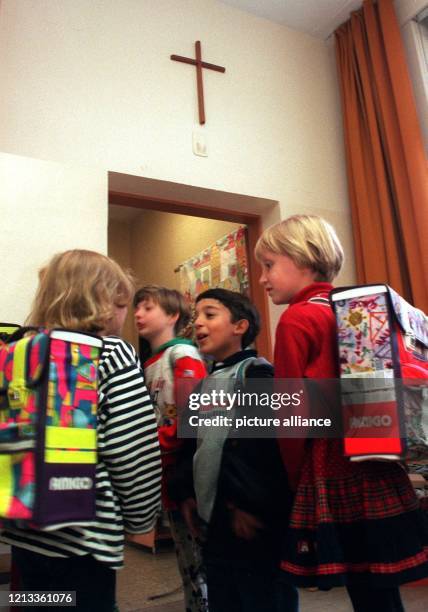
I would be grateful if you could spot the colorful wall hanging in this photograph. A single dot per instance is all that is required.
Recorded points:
(223, 264)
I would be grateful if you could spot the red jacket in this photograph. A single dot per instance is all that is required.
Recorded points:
(305, 347)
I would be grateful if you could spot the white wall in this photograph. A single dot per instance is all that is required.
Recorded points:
(45, 208)
(91, 83)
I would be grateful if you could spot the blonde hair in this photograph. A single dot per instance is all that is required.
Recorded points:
(79, 290)
(309, 240)
(171, 301)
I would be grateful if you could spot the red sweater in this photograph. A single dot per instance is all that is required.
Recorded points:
(305, 347)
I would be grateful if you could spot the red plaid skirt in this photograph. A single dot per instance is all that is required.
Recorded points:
(354, 523)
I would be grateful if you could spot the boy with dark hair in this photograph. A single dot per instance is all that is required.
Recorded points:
(171, 372)
(240, 309)
(238, 494)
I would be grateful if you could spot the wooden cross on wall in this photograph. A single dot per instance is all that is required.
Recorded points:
(199, 65)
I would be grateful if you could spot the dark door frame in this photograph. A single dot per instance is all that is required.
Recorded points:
(254, 229)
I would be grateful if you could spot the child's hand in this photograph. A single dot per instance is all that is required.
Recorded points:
(190, 514)
(245, 526)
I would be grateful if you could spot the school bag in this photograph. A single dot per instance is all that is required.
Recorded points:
(48, 424)
(383, 359)
(211, 439)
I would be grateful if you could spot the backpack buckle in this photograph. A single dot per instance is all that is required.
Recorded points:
(17, 396)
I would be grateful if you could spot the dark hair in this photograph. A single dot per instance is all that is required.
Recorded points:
(171, 301)
(240, 307)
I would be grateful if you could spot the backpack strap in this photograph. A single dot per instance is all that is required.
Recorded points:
(243, 367)
(21, 331)
(7, 330)
(173, 356)
(17, 390)
(318, 299)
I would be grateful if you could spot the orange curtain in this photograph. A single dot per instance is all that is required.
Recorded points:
(386, 162)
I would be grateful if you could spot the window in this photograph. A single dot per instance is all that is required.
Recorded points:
(415, 35)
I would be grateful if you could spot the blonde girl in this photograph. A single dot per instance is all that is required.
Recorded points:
(86, 291)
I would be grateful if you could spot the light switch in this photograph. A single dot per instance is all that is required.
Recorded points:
(200, 144)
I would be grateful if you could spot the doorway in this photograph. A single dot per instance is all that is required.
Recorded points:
(138, 207)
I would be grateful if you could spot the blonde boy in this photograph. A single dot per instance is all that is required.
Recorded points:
(353, 524)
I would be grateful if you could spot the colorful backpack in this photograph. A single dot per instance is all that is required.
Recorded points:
(383, 358)
(48, 425)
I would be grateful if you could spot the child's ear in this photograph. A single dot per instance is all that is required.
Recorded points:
(241, 327)
(174, 318)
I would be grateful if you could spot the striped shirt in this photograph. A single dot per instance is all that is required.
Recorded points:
(128, 472)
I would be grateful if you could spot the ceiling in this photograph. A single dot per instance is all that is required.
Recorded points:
(316, 17)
